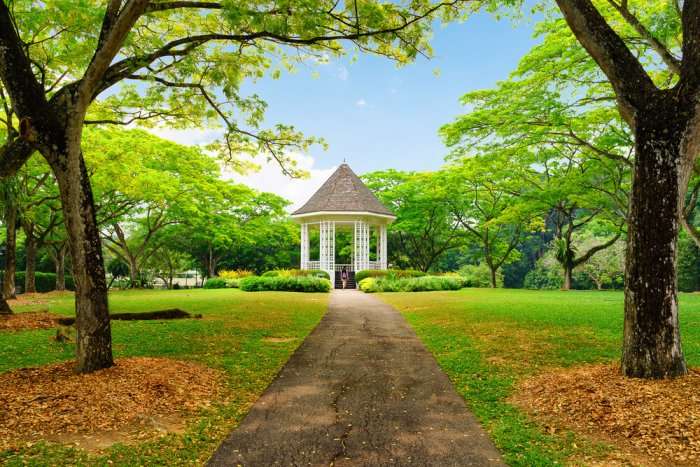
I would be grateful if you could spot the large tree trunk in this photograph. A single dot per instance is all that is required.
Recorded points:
(133, 272)
(652, 343)
(4, 307)
(8, 283)
(494, 277)
(568, 278)
(94, 338)
(30, 270)
(60, 263)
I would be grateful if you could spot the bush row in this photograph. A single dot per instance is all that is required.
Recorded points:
(297, 273)
(410, 284)
(44, 281)
(390, 273)
(282, 283)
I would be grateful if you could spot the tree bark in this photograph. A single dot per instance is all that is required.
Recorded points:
(8, 283)
(94, 341)
(60, 263)
(568, 274)
(133, 273)
(4, 307)
(30, 269)
(652, 343)
(494, 281)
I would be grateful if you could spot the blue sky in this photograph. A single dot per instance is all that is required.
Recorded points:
(378, 116)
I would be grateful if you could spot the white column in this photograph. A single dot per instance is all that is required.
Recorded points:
(383, 250)
(361, 240)
(327, 248)
(304, 246)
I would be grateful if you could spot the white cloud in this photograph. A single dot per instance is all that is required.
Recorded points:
(271, 179)
(361, 103)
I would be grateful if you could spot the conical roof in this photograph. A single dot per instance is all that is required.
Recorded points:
(343, 192)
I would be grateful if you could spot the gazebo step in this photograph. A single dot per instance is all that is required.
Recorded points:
(351, 280)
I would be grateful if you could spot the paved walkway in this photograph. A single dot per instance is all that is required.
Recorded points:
(360, 391)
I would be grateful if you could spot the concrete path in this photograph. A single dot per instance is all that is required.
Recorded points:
(360, 391)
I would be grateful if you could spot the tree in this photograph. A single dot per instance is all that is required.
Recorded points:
(9, 196)
(606, 266)
(164, 186)
(483, 195)
(664, 119)
(425, 228)
(53, 75)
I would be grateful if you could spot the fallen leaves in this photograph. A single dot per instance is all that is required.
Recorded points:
(25, 321)
(53, 402)
(660, 419)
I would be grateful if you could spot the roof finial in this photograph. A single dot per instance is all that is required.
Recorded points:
(344, 161)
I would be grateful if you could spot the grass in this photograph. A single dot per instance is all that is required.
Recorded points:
(488, 340)
(231, 337)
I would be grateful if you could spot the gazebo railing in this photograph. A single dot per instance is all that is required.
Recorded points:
(316, 265)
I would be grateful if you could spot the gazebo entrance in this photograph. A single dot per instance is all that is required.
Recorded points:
(344, 203)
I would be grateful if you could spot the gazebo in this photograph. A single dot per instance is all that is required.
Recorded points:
(344, 202)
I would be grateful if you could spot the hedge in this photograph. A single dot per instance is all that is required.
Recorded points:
(288, 284)
(215, 283)
(410, 284)
(44, 281)
(297, 273)
(392, 273)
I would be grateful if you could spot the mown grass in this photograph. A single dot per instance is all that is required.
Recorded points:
(488, 340)
(231, 337)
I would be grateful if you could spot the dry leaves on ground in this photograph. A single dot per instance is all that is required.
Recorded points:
(24, 321)
(52, 402)
(660, 419)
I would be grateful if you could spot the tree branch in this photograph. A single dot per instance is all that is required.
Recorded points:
(630, 81)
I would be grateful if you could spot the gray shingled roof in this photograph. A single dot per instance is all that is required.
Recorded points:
(344, 192)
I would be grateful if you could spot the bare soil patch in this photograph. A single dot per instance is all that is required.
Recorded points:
(658, 419)
(24, 321)
(137, 398)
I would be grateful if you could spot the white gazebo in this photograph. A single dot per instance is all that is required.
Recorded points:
(344, 202)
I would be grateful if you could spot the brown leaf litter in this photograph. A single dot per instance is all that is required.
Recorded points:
(29, 320)
(659, 419)
(136, 398)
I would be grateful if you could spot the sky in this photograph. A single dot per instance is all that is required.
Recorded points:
(376, 116)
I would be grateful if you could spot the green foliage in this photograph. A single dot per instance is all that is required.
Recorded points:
(215, 283)
(424, 230)
(237, 274)
(45, 281)
(410, 284)
(479, 275)
(542, 277)
(391, 273)
(688, 264)
(297, 273)
(285, 283)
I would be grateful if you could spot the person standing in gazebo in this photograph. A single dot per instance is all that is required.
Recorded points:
(344, 276)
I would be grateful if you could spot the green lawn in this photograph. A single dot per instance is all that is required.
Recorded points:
(231, 337)
(487, 340)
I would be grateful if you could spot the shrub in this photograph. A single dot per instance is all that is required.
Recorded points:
(297, 273)
(479, 275)
(543, 278)
(368, 284)
(215, 283)
(233, 283)
(237, 274)
(410, 284)
(393, 273)
(288, 284)
(44, 281)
